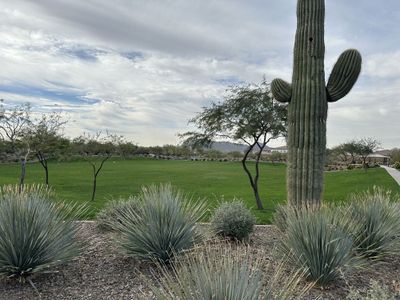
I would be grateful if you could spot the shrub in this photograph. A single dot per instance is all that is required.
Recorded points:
(377, 223)
(316, 242)
(35, 232)
(397, 165)
(375, 292)
(163, 224)
(112, 210)
(220, 271)
(233, 220)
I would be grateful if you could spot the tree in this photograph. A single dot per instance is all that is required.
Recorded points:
(96, 149)
(351, 149)
(45, 139)
(247, 114)
(338, 153)
(365, 147)
(395, 155)
(14, 124)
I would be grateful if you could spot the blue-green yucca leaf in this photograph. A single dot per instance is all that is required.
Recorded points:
(35, 232)
(163, 223)
(316, 240)
(377, 217)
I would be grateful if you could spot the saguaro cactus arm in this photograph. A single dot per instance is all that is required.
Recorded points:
(281, 90)
(344, 75)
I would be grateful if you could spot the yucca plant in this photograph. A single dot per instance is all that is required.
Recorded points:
(377, 217)
(233, 220)
(316, 241)
(36, 232)
(221, 271)
(112, 210)
(163, 224)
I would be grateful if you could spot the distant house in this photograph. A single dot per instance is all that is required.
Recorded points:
(282, 149)
(268, 150)
(378, 159)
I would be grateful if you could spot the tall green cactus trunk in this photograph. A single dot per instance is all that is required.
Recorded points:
(308, 99)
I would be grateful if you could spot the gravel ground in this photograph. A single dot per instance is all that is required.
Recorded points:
(104, 272)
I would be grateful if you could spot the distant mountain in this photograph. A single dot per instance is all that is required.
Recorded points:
(228, 147)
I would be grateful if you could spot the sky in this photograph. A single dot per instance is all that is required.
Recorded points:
(144, 68)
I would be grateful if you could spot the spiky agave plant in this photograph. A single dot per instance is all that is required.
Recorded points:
(223, 271)
(112, 210)
(317, 241)
(307, 97)
(162, 224)
(36, 233)
(377, 216)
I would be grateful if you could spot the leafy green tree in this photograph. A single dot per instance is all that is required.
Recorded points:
(247, 114)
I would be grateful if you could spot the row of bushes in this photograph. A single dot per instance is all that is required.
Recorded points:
(161, 225)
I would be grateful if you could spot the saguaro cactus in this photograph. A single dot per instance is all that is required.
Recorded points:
(308, 98)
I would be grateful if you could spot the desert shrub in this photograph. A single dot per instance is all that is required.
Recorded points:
(233, 220)
(376, 291)
(376, 215)
(397, 165)
(36, 232)
(221, 271)
(163, 224)
(112, 210)
(315, 241)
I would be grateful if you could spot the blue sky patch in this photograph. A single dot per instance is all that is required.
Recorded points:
(38, 92)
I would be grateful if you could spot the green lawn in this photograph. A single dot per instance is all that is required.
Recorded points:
(212, 180)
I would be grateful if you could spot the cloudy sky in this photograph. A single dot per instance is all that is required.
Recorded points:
(142, 68)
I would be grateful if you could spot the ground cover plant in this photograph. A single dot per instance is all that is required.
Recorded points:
(209, 180)
(36, 232)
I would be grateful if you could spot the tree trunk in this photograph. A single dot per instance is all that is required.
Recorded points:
(253, 182)
(94, 186)
(43, 161)
(23, 171)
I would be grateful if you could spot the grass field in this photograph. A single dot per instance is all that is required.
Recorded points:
(211, 180)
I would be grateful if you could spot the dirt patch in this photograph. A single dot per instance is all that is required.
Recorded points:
(103, 271)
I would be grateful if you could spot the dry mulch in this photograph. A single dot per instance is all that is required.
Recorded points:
(104, 272)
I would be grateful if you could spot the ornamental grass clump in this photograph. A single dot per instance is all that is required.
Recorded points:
(233, 220)
(112, 210)
(224, 271)
(316, 241)
(377, 215)
(36, 232)
(162, 225)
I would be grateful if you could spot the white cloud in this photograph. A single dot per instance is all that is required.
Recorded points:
(143, 68)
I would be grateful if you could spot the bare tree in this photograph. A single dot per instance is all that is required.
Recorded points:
(96, 149)
(45, 138)
(365, 147)
(14, 124)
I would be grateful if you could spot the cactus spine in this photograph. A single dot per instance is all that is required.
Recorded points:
(308, 98)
